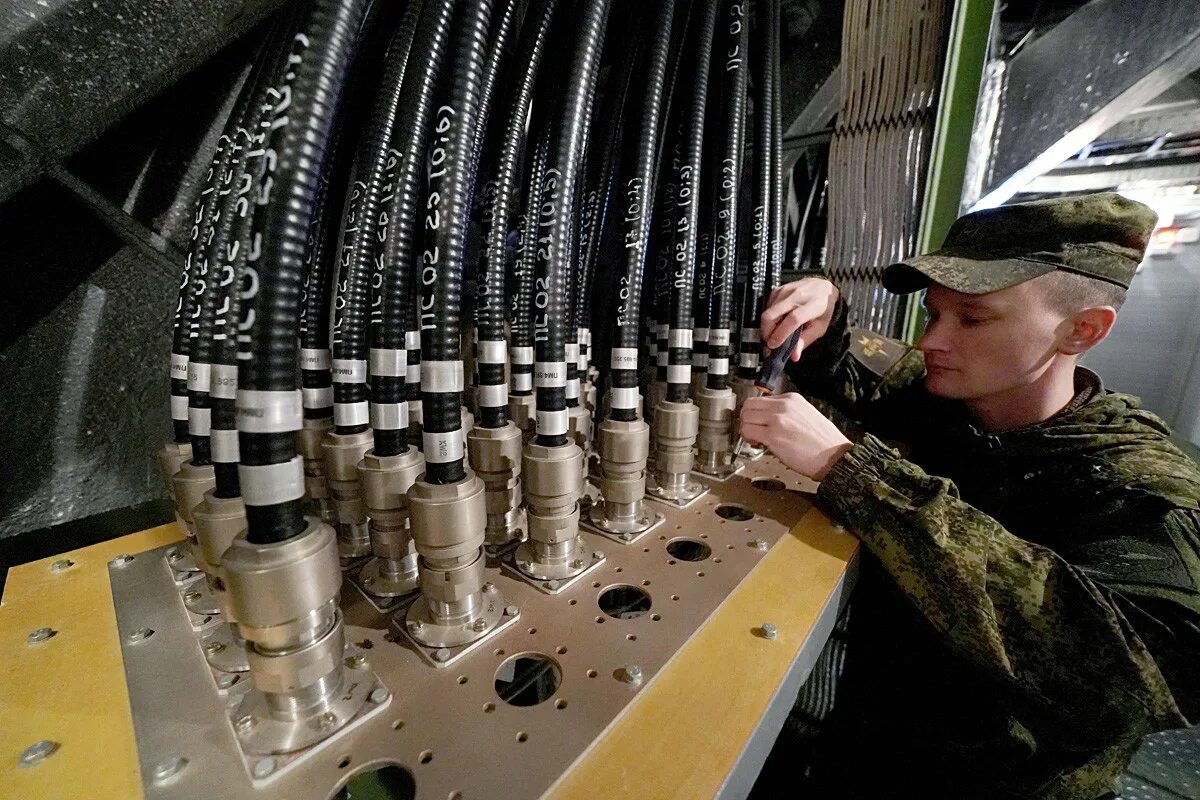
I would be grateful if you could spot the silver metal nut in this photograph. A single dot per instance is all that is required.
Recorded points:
(62, 564)
(167, 768)
(378, 695)
(40, 635)
(264, 767)
(769, 631)
(36, 752)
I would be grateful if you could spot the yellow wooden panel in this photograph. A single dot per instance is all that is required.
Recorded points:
(71, 688)
(682, 735)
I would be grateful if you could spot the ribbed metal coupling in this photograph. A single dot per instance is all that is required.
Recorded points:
(384, 482)
(714, 454)
(495, 455)
(342, 454)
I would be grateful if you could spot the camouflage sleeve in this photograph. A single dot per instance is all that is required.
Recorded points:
(1054, 640)
(852, 369)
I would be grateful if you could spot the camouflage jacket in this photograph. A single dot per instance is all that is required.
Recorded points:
(1029, 604)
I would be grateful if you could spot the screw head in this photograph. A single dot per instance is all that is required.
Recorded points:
(62, 564)
(489, 587)
(379, 694)
(121, 560)
(264, 767)
(244, 723)
(356, 661)
(40, 635)
(441, 654)
(551, 585)
(759, 544)
(141, 634)
(212, 648)
(769, 631)
(37, 751)
(577, 564)
(597, 555)
(174, 556)
(415, 625)
(191, 597)
(368, 580)
(327, 720)
(167, 768)
(512, 610)
(633, 674)
(627, 537)
(479, 625)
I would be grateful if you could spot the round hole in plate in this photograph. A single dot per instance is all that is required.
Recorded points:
(591, 673)
(397, 724)
(527, 679)
(645, 583)
(560, 704)
(624, 602)
(454, 796)
(620, 569)
(600, 618)
(488, 708)
(656, 617)
(734, 512)
(561, 651)
(344, 762)
(522, 737)
(689, 550)
(499, 651)
(699, 574)
(671, 562)
(595, 584)
(704, 536)
(716, 561)
(768, 484)
(572, 601)
(674, 597)
(728, 547)
(426, 756)
(462, 679)
(532, 631)
(631, 637)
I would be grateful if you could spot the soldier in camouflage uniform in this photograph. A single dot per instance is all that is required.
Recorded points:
(1028, 606)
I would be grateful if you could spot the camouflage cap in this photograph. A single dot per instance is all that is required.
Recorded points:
(1102, 236)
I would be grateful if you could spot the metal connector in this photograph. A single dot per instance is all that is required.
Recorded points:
(522, 410)
(309, 440)
(495, 455)
(553, 484)
(342, 454)
(384, 482)
(220, 520)
(622, 511)
(678, 425)
(714, 456)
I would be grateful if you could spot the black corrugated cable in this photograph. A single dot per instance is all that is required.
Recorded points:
(735, 38)
(490, 311)
(268, 402)
(778, 194)
(391, 393)
(447, 210)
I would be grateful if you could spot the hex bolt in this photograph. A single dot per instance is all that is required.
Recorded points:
(141, 634)
(479, 625)
(759, 544)
(597, 555)
(551, 585)
(62, 564)
(36, 752)
(633, 674)
(244, 723)
(191, 597)
(121, 560)
(379, 694)
(174, 556)
(327, 720)
(212, 648)
(489, 587)
(264, 767)
(441, 654)
(356, 661)
(626, 537)
(512, 610)
(769, 631)
(40, 635)
(168, 768)
(577, 564)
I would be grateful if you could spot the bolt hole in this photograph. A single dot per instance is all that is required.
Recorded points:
(499, 651)
(645, 583)
(600, 619)
(532, 631)
(572, 602)
(522, 737)
(728, 547)
(560, 704)
(397, 724)
(689, 550)
(624, 602)
(596, 584)
(488, 708)
(768, 484)
(591, 673)
(561, 651)
(699, 574)
(671, 562)
(455, 796)
(462, 679)
(674, 597)
(528, 679)
(656, 617)
(734, 512)
(645, 549)
(631, 637)
(426, 756)
(345, 762)
(620, 569)
(716, 561)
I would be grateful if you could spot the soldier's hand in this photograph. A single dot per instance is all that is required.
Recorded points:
(798, 434)
(807, 302)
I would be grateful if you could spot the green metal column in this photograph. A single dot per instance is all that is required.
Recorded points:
(966, 53)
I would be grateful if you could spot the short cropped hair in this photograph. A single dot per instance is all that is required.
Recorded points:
(1069, 292)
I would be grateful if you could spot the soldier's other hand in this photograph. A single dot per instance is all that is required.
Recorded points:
(797, 433)
(807, 302)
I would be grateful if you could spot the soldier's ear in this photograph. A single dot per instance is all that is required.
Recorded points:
(1085, 329)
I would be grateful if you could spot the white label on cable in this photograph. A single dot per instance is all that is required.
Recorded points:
(199, 421)
(414, 409)
(347, 414)
(389, 416)
(679, 338)
(179, 365)
(552, 423)
(493, 395)
(387, 362)
(413, 374)
(198, 376)
(749, 334)
(624, 358)
(522, 382)
(572, 388)
(441, 376)
(522, 355)
(748, 360)
(314, 359)
(550, 374)
(224, 446)
(261, 411)
(412, 340)
(572, 353)
(222, 381)
(623, 397)
(271, 484)
(441, 448)
(718, 366)
(679, 373)
(700, 334)
(718, 336)
(490, 351)
(349, 370)
(179, 407)
(319, 397)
